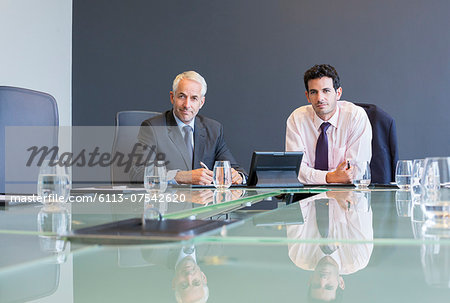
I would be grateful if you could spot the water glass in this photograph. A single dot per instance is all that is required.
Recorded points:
(361, 173)
(417, 172)
(53, 182)
(222, 174)
(435, 188)
(155, 177)
(403, 174)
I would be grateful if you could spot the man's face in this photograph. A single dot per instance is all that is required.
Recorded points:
(187, 100)
(325, 280)
(189, 280)
(323, 97)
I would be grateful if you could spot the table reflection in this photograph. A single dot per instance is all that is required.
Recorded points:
(343, 215)
(205, 197)
(54, 220)
(435, 257)
(189, 282)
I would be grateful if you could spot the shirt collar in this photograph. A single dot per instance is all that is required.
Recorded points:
(181, 124)
(334, 255)
(183, 254)
(333, 120)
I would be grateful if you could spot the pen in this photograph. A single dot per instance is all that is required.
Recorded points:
(348, 164)
(204, 165)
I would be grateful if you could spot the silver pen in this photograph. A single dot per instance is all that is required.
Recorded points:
(204, 165)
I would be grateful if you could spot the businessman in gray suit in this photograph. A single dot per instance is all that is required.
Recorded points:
(189, 143)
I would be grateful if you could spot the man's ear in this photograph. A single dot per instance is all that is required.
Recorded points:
(204, 280)
(202, 102)
(338, 93)
(307, 96)
(341, 283)
(171, 97)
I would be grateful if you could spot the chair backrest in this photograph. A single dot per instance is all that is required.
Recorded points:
(24, 107)
(125, 136)
(384, 144)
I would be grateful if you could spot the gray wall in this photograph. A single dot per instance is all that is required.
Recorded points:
(253, 55)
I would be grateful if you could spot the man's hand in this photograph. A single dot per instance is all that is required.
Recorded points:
(342, 174)
(203, 196)
(199, 176)
(236, 177)
(343, 198)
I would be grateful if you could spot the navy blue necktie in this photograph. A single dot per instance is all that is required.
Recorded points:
(323, 224)
(322, 148)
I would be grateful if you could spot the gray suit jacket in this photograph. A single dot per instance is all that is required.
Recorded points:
(162, 135)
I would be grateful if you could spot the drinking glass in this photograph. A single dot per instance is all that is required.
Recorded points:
(155, 177)
(361, 174)
(417, 172)
(53, 182)
(403, 174)
(222, 174)
(435, 187)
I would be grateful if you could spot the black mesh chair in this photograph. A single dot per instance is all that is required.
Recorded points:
(125, 137)
(384, 144)
(24, 107)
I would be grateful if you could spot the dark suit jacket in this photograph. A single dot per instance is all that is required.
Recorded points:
(162, 133)
(384, 144)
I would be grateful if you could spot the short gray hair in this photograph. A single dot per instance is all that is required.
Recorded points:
(190, 75)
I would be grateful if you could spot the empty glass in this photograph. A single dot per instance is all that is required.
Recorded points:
(361, 173)
(53, 182)
(155, 177)
(403, 174)
(222, 174)
(417, 172)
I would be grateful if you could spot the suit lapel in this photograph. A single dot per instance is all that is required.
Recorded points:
(177, 138)
(199, 142)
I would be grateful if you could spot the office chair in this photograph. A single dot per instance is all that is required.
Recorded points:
(384, 144)
(24, 107)
(125, 136)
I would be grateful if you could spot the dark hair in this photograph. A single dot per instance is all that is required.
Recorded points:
(338, 298)
(322, 70)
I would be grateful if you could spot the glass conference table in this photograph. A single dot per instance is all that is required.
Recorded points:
(379, 247)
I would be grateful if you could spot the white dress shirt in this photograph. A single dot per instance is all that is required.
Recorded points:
(349, 138)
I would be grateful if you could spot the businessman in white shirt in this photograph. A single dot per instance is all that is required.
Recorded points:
(331, 134)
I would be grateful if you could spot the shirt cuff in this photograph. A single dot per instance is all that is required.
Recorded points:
(171, 176)
(244, 179)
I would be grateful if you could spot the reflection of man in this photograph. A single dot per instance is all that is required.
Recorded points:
(186, 138)
(328, 132)
(190, 282)
(347, 216)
